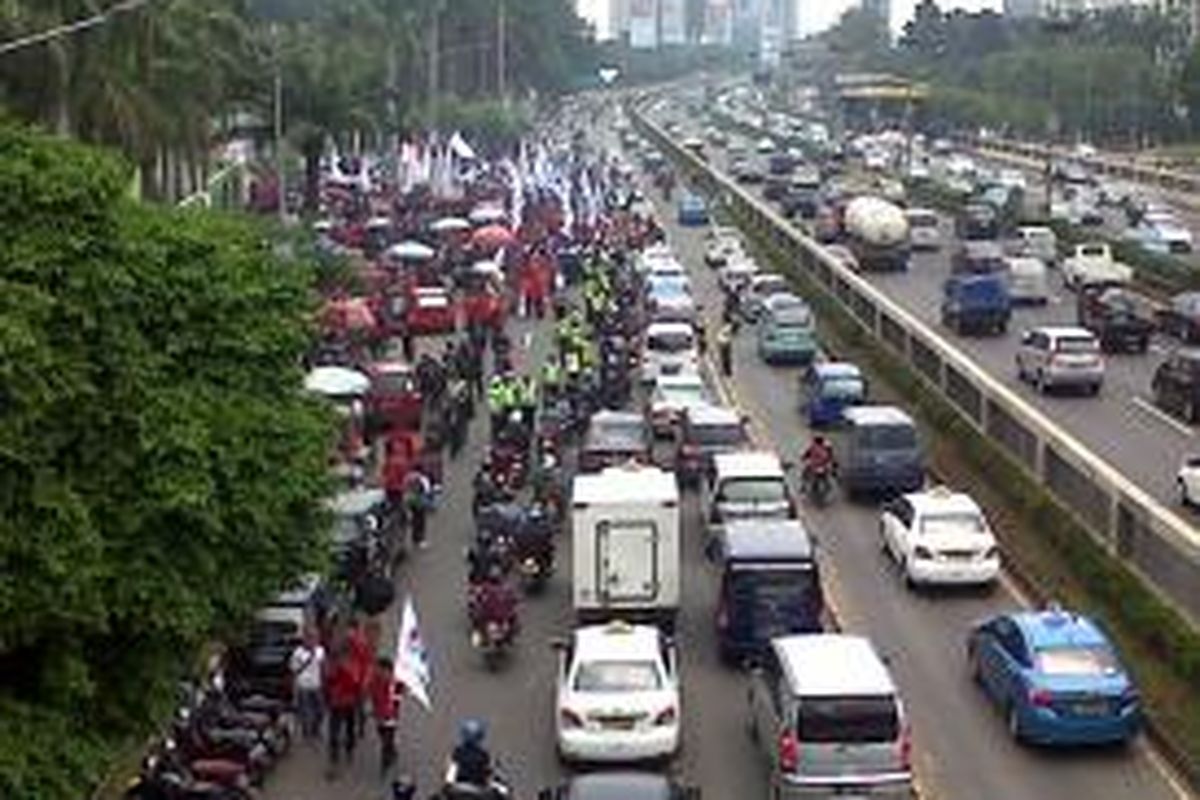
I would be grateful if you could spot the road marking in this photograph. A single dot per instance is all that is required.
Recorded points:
(1163, 416)
(1166, 770)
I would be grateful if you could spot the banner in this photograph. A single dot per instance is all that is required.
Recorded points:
(411, 664)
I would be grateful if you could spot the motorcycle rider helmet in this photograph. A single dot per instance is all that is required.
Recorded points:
(472, 731)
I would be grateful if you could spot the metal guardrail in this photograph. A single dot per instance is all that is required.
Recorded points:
(1167, 179)
(1127, 522)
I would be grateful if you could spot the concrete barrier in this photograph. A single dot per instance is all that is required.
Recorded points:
(1127, 522)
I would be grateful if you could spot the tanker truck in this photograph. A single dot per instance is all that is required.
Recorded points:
(877, 232)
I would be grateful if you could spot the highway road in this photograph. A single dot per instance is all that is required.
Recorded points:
(1121, 425)
(963, 750)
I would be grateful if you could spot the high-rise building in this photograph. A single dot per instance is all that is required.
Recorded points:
(1022, 8)
(618, 18)
(718, 22)
(881, 8)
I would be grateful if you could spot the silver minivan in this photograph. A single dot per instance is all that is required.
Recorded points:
(747, 486)
(826, 712)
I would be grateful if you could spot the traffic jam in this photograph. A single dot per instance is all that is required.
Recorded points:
(597, 475)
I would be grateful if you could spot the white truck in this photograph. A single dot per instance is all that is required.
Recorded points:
(878, 233)
(1091, 263)
(625, 524)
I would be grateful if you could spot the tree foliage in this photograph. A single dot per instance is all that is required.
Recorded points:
(162, 472)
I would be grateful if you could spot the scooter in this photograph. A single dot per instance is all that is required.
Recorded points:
(452, 789)
(166, 776)
(817, 485)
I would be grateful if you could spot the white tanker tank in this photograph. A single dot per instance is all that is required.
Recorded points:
(878, 233)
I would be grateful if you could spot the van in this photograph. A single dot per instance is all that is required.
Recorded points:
(1038, 241)
(625, 524)
(670, 349)
(976, 303)
(881, 452)
(1027, 280)
(747, 485)
(787, 336)
(770, 586)
(977, 258)
(826, 711)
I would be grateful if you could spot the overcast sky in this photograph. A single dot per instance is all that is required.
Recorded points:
(815, 15)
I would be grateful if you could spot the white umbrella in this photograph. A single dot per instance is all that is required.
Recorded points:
(486, 268)
(337, 382)
(486, 215)
(411, 250)
(447, 224)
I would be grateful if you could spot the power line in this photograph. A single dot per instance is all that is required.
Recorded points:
(70, 28)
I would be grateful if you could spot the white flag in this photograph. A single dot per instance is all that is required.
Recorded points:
(412, 659)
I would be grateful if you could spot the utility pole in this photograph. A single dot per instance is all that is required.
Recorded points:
(280, 176)
(434, 57)
(501, 56)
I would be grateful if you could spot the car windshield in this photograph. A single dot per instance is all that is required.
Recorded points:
(923, 220)
(622, 429)
(618, 676)
(1077, 344)
(887, 437)
(754, 490)
(395, 382)
(847, 719)
(961, 523)
(715, 435)
(669, 342)
(1073, 660)
(842, 388)
(682, 394)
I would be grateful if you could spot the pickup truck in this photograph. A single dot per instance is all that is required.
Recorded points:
(1091, 263)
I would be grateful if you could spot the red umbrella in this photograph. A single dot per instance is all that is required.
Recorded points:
(492, 237)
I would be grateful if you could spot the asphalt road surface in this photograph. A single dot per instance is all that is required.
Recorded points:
(1121, 425)
(962, 748)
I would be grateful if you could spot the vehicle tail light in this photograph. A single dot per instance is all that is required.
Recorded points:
(1130, 696)
(666, 716)
(1042, 698)
(904, 748)
(569, 719)
(789, 752)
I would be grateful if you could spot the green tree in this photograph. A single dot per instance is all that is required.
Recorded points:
(162, 470)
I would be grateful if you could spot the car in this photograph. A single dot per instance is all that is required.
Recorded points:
(1012, 178)
(762, 285)
(1188, 481)
(1055, 676)
(1122, 320)
(939, 536)
(827, 389)
(977, 221)
(721, 244)
(828, 717)
(1037, 241)
(692, 211)
(977, 257)
(670, 399)
(431, 311)
(1176, 384)
(765, 145)
(1161, 233)
(786, 332)
(736, 275)
(617, 696)
(924, 232)
(670, 348)
(615, 437)
(1054, 356)
(620, 785)
(706, 430)
(1028, 280)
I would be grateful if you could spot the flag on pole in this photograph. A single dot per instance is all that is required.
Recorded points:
(411, 665)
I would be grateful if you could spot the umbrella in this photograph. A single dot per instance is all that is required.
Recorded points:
(352, 314)
(486, 215)
(411, 250)
(448, 224)
(336, 382)
(492, 237)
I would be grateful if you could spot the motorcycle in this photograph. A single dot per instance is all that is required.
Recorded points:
(452, 789)
(533, 549)
(818, 482)
(165, 775)
(493, 639)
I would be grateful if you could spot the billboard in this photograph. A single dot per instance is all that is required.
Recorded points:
(643, 24)
(673, 25)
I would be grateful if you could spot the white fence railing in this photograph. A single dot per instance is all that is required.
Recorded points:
(1129, 523)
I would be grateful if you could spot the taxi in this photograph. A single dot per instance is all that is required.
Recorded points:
(940, 537)
(618, 694)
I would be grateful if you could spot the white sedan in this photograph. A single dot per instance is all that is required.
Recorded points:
(1189, 482)
(618, 694)
(939, 537)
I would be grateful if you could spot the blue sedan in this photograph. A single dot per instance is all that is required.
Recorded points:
(829, 388)
(692, 211)
(1056, 677)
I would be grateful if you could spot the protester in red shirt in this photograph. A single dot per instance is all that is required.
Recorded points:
(385, 695)
(343, 696)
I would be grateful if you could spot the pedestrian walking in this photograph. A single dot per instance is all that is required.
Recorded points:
(725, 349)
(416, 501)
(307, 665)
(362, 657)
(385, 695)
(343, 694)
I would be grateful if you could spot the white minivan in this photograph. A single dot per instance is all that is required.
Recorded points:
(747, 486)
(670, 349)
(1027, 279)
(828, 714)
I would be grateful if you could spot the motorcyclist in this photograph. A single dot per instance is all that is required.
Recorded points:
(494, 601)
(818, 457)
(471, 763)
